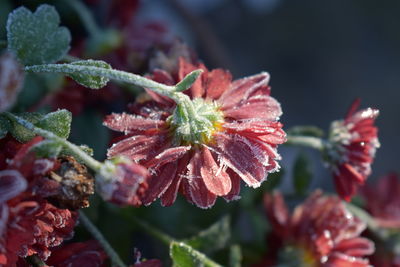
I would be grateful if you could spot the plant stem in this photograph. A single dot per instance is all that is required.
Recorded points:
(307, 141)
(75, 150)
(86, 17)
(116, 260)
(35, 261)
(118, 75)
(166, 239)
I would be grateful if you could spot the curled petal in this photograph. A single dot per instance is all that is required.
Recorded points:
(243, 88)
(214, 176)
(196, 187)
(356, 247)
(130, 124)
(168, 155)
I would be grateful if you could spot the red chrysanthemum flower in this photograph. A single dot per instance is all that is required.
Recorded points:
(320, 232)
(233, 137)
(29, 224)
(351, 149)
(382, 201)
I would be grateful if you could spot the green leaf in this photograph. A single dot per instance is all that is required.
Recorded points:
(93, 82)
(47, 149)
(213, 238)
(58, 122)
(302, 175)
(235, 256)
(188, 81)
(20, 132)
(5, 126)
(36, 38)
(184, 255)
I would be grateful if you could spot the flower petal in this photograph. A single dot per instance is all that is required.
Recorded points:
(235, 188)
(168, 155)
(215, 178)
(236, 153)
(263, 107)
(218, 81)
(198, 191)
(242, 89)
(131, 124)
(159, 182)
(139, 147)
(197, 89)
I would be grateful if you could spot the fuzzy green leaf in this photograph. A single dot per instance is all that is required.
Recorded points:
(20, 132)
(93, 82)
(58, 122)
(36, 38)
(47, 149)
(302, 174)
(184, 255)
(213, 238)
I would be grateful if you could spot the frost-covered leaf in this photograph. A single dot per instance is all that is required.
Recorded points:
(184, 255)
(36, 38)
(93, 82)
(20, 132)
(11, 80)
(5, 126)
(302, 174)
(58, 122)
(213, 238)
(235, 256)
(188, 81)
(47, 149)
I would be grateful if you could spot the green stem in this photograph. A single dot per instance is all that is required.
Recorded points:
(117, 75)
(86, 17)
(75, 150)
(307, 141)
(116, 260)
(166, 239)
(35, 261)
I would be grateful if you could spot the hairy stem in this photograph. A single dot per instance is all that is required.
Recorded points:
(75, 150)
(116, 260)
(306, 141)
(117, 75)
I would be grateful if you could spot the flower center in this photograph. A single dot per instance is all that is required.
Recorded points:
(195, 121)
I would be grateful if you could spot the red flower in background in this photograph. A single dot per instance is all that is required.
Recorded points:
(319, 232)
(240, 142)
(382, 201)
(351, 150)
(29, 224)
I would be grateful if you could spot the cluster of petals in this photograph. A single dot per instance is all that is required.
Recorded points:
(382, 200)
(243, 147)
(29, 224)
(353, 141)
(321, 226)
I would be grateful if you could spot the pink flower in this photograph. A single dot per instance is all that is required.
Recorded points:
(319, 232)
(236, 140)
(383, 200)
(351, 150)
